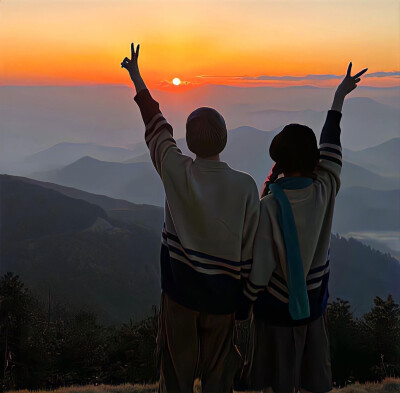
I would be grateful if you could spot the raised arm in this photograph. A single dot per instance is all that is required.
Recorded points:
(159, 133)
(348, 84)
(330, 164)
(132, 66)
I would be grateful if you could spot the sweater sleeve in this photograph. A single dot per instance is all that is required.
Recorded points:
(159, 133)
(330, 163)
(264, 257)
(249, 232)
(252, 216)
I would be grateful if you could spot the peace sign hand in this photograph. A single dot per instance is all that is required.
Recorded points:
(132, 64)
(349, 83)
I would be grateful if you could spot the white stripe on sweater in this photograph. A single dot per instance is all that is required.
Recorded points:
(153, 120)
(330, 154)
(210, 272)
(318, 274)
(253, 290)
(313, 286)
(331, 145)
(199, 259)
(277, 295)
(157, 127)
(279, 284)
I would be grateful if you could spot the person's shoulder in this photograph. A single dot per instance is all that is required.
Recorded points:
(243, 179)
(268, 202)
(242, 176)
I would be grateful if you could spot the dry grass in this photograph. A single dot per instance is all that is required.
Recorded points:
(125, 388)
(389, 385)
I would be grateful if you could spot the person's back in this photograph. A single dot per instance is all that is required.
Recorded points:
(211, 217)
(209, 247)
(312, 206)
(290, 272)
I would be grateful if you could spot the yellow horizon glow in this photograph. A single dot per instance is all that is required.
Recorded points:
(84, 42)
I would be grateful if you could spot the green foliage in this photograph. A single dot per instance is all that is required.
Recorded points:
(381, 328)
(46, 346)
(342, 329)
(367, 348)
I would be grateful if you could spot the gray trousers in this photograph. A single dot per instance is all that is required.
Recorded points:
(289, 358)
(192, 345)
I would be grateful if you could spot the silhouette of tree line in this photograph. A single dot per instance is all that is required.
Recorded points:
(47, 347)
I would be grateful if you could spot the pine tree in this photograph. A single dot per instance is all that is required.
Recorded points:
(381, 328)
(341, 326)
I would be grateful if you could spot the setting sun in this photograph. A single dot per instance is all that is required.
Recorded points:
(176, 81)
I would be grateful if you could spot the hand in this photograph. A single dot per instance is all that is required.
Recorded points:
(349, 82)
(132, 64)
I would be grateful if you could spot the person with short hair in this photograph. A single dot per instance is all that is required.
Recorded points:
(289, 277)
(211, 216)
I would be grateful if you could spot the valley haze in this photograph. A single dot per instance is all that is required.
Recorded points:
(81, 148)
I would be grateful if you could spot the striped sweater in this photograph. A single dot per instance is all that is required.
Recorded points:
(312, 208)
(211, 217)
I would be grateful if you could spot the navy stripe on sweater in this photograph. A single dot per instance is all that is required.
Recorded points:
(199, 264)
(319, 268)
(167, 235)
(330, 149)
(335, 160)
(186, 285)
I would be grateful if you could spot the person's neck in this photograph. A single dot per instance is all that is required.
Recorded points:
(211, 158)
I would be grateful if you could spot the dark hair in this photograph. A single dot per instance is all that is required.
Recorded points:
(295, 149)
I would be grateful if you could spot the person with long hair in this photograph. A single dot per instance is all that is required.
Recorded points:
(288, 282)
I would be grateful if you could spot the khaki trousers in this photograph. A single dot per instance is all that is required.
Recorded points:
(194, 344)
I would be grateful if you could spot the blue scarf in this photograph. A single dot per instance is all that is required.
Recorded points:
(299, 307)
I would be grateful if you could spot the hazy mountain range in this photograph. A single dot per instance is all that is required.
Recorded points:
(34, 118)
(383, 159)
(91, 231)
(93, 252)
(368, 201)
(357, 171)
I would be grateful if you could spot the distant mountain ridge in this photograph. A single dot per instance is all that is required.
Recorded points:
(383, 159)
(137, 181)
(34, 118)
(110, 265)
(65, 153)
(148, 216)
(74, 249)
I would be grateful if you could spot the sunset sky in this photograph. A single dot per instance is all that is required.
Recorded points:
(258, 42)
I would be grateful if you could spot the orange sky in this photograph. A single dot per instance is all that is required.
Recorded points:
(78, 42)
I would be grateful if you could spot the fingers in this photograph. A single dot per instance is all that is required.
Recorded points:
(125, 63)
(357, 80)
(137, 51)
(360, 73)
(132, 50)
(349, 69)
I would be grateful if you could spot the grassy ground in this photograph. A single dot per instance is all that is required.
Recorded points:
(389, 385)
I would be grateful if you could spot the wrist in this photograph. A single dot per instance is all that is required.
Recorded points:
(339, 95)
(136, 77)
(338, 101)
